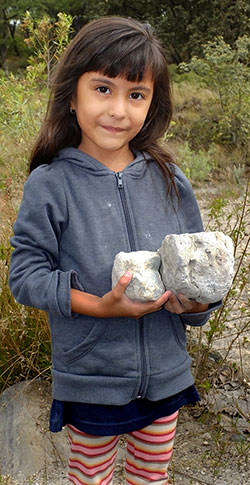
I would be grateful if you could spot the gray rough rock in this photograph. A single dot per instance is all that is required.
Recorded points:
(26, 444)
(29, 453)
(198, 265)
(146, 284)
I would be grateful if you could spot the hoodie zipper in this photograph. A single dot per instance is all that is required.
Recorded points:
(119, 176)
(131, 238)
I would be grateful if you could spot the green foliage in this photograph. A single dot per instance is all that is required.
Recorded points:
(183, 25)
(47, 40)
(24, 332)
(22, 109)
(11, 13)
(227, 71)
(186, 76)
(196, 165)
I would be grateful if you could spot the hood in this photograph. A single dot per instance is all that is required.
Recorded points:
(77, 157)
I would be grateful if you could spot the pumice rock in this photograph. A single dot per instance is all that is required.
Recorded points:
(146, 283)
(199, 265)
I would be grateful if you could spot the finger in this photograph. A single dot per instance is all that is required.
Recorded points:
(185, 302)
(173, 305)
(174, 309)
(122, 284)
(163, 298)
(155, 306)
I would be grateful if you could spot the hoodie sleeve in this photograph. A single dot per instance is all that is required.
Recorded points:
(35, 278)
(199, 319)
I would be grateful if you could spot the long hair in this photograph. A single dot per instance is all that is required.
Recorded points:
(114, 46)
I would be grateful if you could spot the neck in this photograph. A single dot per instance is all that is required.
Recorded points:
(114, 160)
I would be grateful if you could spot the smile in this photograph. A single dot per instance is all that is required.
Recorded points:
(113, 129)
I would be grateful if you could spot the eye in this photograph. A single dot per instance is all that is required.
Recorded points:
(136, 96)
(103, 90)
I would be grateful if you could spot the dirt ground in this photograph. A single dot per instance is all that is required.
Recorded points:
(202, 456)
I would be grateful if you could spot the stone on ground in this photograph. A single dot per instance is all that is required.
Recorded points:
(26, 444)
(29, 452)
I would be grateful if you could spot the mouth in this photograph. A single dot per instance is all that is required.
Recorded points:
(113, 129)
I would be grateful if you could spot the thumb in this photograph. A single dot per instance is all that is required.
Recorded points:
(122, 284)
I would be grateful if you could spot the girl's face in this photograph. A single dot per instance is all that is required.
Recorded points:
(110, 113)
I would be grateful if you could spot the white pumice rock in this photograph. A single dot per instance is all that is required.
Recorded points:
(199, 265)
(146, 283)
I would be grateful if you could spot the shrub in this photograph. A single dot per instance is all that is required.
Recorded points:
(231, 321)
(47, 40)
(24, 332)
(226, 70)
(196, 165)
(22, 109)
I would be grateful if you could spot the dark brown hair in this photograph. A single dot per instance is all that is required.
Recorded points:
(115, 46)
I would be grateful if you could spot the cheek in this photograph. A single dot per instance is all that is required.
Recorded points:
(141, 119)
(86, 114)
(81, 119)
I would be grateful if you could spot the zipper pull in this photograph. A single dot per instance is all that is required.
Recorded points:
(119, 180)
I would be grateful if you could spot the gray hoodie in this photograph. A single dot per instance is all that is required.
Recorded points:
(76, 215)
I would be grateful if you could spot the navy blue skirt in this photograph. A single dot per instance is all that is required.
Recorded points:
(107, 420)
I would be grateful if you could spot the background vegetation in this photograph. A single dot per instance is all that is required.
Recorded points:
(209, 51)
(183, 25)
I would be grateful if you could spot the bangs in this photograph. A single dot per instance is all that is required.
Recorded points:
(131, 60)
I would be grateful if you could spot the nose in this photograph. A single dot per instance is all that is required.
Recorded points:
(117, 107)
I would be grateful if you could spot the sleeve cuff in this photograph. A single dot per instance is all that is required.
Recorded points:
(64, 297)
(199, 319)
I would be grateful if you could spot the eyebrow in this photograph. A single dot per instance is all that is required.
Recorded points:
(141, 87)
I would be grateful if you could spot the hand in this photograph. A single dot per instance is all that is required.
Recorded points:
(115, 303)
(181, 304)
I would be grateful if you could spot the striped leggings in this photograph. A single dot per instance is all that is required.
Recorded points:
(148, 452)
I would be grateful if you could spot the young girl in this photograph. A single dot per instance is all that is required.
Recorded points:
(101, 183)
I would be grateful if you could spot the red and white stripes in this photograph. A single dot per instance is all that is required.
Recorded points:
(149, 451)
(92, 458)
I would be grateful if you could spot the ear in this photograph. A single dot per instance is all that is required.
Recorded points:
(72, 107)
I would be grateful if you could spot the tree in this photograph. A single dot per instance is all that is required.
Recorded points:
(182, 25)
(11, 13)
(185, 25)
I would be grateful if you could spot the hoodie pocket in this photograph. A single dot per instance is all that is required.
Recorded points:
(179, 330)
(80, 350)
